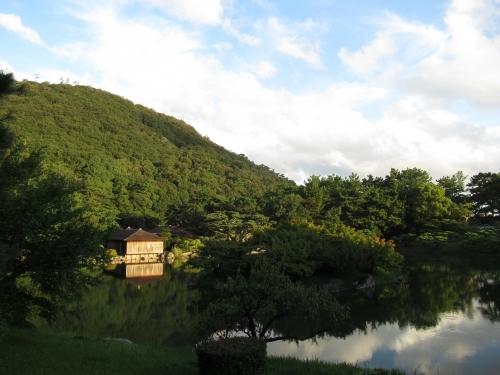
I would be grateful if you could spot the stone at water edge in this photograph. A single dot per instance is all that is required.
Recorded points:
(363, 282)
(123, 341)
(333, 286)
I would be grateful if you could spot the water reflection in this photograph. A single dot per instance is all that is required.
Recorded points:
(443, 322)
(146, 310)
(134, 271)
(489, 296)
(456, 345)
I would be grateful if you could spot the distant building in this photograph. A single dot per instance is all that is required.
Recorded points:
(136, 242)
(175, 231)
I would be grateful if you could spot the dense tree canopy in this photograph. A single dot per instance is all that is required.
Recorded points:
(139, 167)
(485, 194)
(47, 237)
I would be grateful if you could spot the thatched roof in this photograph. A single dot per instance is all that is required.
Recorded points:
(131, 234)
(176, 231)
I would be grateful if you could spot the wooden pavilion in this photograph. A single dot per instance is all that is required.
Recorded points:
(136, 242)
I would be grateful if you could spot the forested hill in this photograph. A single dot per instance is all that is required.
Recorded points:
(139, 167)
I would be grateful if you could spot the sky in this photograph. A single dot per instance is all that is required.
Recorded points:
(317, 87)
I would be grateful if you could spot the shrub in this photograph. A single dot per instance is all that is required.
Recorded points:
(177, 252)
(482, 242)
(232, 356)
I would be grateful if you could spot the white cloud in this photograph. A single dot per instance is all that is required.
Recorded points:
(225, 46)
(367, 60)
(264, 4)
(321, 132)
(13, 23)
(72, 50)
(289, 40)
(458, 63)
(265, 69)
(251, 40)
(205, 12)
(466, 66)
(351, 94)
(302, 49)
(415, 42)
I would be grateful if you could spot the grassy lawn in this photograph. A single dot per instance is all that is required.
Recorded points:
(36, 353)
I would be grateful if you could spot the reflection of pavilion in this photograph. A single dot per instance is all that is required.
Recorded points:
(137, 270)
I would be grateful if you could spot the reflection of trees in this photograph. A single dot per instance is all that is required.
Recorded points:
(430, 293)
(159, 312)
(155, 313)
(489, 296)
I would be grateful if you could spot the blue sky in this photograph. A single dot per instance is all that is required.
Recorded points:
(305, 87)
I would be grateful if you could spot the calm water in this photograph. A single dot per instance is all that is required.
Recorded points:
(443, 321)
(458, 344)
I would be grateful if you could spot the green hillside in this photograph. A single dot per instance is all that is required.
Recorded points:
(139, 167)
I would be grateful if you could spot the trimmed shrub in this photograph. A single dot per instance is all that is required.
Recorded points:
(232, 356)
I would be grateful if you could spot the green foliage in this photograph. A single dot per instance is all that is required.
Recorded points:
(234, 226)
(485, 194)
(227, 249)
(223, 257)
(454, 187)
(52, 241)
(139, 167)
(255, 304)
(482, 242)
(232, 356)
(423, 201)
(349, 249)
(433, 239)
(189, 245)
(180, 245)
(177, 252)
(294, 245)
(47, 235)
(303, 248)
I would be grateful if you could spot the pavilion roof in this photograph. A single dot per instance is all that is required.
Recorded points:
(130, 234)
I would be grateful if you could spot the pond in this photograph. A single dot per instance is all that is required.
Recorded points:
(443, 321)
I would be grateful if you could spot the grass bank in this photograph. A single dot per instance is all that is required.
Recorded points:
(44, 353)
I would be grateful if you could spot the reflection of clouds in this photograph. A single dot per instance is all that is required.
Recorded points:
(452, 347)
